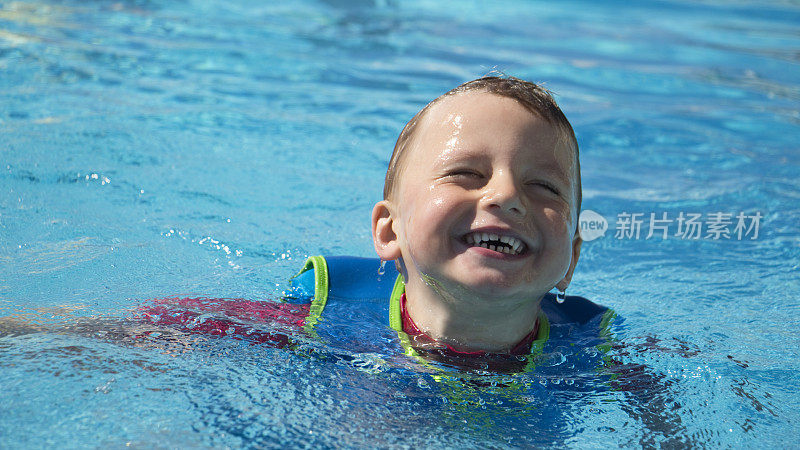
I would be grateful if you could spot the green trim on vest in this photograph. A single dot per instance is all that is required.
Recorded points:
(396, 321)
(321, 288)
(605, 331)
(395, 318)
(537, 346)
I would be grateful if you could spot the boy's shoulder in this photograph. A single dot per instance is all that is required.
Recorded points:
(351, 278)
(355, 294)
(574, 309)
(341, 277)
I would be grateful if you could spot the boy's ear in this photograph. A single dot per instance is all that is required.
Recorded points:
(383, 233)
(576, 253)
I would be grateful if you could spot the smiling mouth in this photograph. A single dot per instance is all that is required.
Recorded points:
(496, 242)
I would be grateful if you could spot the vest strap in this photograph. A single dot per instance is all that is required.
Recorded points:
(321, 288)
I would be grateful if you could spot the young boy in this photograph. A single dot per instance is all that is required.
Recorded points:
(480, 213)
(480, 216)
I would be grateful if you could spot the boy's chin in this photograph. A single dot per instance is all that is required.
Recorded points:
(493, 285)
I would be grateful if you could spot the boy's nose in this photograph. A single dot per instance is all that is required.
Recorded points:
(502, 193)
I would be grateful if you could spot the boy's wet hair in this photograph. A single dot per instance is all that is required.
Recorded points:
(533, 97)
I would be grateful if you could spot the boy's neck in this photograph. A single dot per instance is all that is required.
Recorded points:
(471, 323)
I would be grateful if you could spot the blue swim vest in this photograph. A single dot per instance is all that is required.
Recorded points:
(360, 299)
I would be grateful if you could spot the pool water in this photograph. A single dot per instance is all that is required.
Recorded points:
(155, 149)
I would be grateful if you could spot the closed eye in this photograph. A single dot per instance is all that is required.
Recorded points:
(545, 185)
(464, 173)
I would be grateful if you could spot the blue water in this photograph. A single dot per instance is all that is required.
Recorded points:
(203, 148)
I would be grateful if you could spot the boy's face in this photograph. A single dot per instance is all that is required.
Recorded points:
(484, 167)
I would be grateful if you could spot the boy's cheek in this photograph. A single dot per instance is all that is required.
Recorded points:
(560, 219)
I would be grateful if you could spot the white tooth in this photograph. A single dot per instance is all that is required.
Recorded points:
(504, 239)
(492, 248)
(493, 236)
(506, 250)
(512, 241)
(484, 236)
(517, 245)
